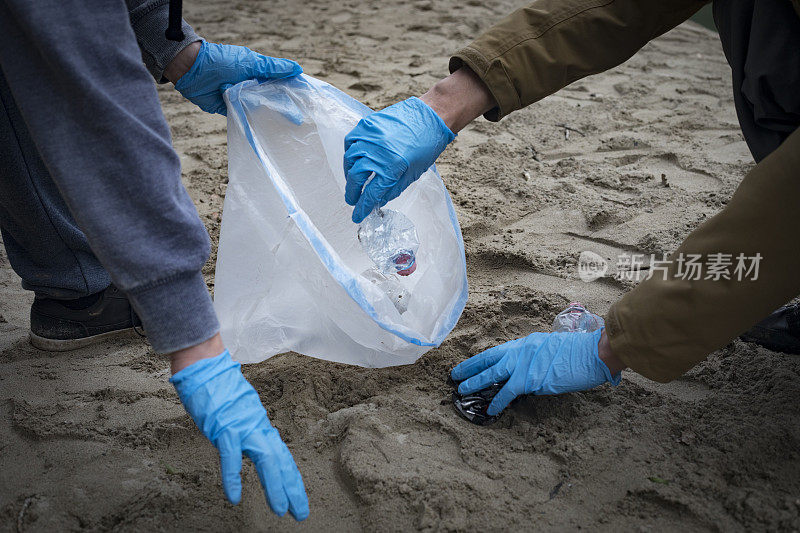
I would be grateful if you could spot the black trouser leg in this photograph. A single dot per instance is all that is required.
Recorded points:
(761, 40)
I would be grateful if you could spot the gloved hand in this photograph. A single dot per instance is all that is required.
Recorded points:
(398, 144)
(541, 363)
(228, 411)
(218, 66)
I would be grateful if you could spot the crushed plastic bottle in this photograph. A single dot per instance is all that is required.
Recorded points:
(390, 240)
(391, 287)
(577, 318)
(473, 406)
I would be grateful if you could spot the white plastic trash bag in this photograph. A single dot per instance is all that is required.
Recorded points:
(289, 264)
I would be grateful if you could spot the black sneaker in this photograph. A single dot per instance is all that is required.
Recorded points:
(61, 325)
(779, 332)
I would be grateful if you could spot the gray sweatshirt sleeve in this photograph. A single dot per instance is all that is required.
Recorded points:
(95, 117)
(149, 21)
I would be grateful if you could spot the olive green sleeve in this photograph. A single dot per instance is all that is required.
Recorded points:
(539, 49)
(663, 327)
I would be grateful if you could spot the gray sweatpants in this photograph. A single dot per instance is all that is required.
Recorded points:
(90, 188)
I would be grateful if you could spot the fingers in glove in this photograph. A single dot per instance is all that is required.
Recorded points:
(220, 108)
(477, 363)
(501, 400)
(353, 137)
(373, 195)
(287, 108)
(260, 449)
(230, 461)
(397, 189)
(494, 374)
(358, 168)
(370, 199)
(293, 484)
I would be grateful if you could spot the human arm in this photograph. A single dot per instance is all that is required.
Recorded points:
(227, 409)
(539, 364)
(148, 19)
(530, 54)
(539, 49)
(182, 62)
(110, 155)
(607, 355)
(694, 317)
(459, 98)
(201, 71)
(398, 144)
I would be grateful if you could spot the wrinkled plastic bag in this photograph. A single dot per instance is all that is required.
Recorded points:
(289, 264)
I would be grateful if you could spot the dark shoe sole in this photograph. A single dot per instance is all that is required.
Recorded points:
(772, 340)
(66, 345)
(779, 332)
(61, 325)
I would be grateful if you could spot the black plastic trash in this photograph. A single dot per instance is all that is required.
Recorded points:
(472, 407)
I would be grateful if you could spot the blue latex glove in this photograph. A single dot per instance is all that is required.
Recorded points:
(398, 144)
(541, 363)
(228, 411)
(218, 66)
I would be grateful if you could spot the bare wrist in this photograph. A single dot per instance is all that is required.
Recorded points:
(459, 99)
(182, 62)
(183, 358)
(607, 356)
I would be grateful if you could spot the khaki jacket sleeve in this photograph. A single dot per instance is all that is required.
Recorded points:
(539, 49)
(665, 326)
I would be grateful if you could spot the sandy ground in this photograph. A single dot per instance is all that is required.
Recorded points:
(96, 439)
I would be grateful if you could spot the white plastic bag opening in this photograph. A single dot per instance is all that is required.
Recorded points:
(289, 264)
